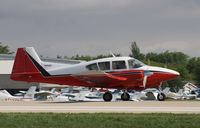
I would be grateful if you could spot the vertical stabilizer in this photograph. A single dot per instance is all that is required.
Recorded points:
(23, 63)
(31, 52)
(27, 66)
(30, 93)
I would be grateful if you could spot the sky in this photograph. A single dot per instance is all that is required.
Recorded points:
(92, 27)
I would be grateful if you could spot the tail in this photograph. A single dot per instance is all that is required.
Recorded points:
(53, 90)
(27, 65)
(166, 90)
(30, 93)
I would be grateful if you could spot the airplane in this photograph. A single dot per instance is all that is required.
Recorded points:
(189, 92)
(81, 94)
(6, 96)
(28, 95)
(173, 95)
(125, 73)
(43, 94)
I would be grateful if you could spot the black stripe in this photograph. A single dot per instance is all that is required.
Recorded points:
(39, 67)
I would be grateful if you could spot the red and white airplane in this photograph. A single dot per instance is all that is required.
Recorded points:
(124, 73)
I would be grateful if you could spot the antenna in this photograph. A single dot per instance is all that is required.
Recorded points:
(112, 54)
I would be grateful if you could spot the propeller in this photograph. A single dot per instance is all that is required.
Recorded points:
(147, 73)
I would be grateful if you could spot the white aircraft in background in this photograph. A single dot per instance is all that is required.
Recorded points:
(6, 96)
(173, 95)
(43, 94)
(33, 94)
(82, 94)
(189, 92)
(28, 95)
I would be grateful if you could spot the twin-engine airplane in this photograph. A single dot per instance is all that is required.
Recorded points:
(124, 73)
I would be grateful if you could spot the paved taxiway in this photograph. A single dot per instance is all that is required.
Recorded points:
(92, 107)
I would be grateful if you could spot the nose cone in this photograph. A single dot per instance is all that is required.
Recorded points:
(169, 71)
(166, 73)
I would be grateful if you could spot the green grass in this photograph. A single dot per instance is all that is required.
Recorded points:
(98, 120)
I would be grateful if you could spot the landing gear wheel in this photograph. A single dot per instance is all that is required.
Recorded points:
(107, 96)
(125, 96)
(161, 97)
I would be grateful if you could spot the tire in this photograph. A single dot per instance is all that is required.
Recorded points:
(107, 96)
(161, 97)
(125, 96)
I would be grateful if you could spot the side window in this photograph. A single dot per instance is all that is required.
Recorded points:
(118, 65)
(92, 67)
(104, 65)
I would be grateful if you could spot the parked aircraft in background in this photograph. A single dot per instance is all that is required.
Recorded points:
(124, 73)
(6, 96)
(173, 95)
(189, 92)
(29, 94)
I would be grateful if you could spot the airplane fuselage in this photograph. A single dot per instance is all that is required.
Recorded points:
(115, 72)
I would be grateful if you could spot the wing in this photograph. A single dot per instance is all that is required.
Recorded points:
(45, 93)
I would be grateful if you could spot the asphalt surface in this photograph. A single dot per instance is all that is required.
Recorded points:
(93, 107)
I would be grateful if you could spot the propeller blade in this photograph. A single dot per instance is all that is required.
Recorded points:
(147, 73)
(145, 81)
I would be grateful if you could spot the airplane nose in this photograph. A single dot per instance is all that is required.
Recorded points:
(171, 74)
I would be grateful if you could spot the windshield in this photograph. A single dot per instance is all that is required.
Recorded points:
(134, 63)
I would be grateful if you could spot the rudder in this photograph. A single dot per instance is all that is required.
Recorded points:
(23, 66)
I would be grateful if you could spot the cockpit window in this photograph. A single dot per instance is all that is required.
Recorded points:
(118, 65)
(104, 65)
(92, 67)
(133, 63)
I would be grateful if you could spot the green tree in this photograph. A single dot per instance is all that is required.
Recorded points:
(196, 70)
(5, 49)
(135, 51)
(168, 57)
(191, 64)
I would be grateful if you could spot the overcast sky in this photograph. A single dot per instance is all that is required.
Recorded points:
(91, 27)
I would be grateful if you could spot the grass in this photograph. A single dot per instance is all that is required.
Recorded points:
(99, 120)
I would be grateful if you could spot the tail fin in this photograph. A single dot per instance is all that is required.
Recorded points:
(53, 90)
(30, 93)
(166, 90)
(5, 92)
(32, 53)
(27, 63)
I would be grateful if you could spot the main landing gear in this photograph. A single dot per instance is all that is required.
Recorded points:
(107, 96)
(161, 97)
(125, 96)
